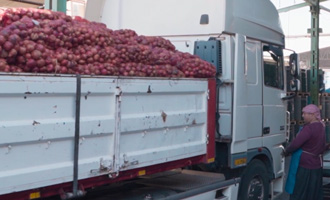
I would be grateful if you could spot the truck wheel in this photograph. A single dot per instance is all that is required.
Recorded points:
(254, 182)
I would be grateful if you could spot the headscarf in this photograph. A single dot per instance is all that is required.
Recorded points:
(313, 109)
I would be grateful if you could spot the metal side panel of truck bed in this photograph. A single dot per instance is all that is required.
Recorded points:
(125, 124)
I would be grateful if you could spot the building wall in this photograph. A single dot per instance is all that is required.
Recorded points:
(16, 4)
(324, 59)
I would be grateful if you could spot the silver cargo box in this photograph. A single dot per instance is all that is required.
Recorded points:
(124, 123)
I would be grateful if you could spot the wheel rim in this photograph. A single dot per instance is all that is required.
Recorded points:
(256, 188)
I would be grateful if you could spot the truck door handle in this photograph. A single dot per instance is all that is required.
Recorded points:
(266, 130)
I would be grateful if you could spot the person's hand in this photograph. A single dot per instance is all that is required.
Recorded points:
(327, 146)
(285, 153)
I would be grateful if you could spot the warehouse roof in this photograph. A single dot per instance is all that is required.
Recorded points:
(324, 58)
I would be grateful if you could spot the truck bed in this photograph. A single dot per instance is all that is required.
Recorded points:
(171, 185)
(123, 124)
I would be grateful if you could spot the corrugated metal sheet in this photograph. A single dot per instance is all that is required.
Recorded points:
(324, 58)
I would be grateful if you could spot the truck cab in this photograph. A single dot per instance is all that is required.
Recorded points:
(245, 42)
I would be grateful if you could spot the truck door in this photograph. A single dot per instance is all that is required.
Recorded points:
(273, 86)
(247, 103)
(274, 110)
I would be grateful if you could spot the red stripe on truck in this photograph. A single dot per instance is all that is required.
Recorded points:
(211, 113)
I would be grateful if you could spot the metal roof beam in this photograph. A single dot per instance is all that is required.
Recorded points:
(325, 8)
(307, 35)
(293, 7)
(312, 2)
(300, 5)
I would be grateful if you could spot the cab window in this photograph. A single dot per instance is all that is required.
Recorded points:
(273, 67)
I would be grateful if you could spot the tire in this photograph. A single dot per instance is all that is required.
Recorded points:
(254, 182)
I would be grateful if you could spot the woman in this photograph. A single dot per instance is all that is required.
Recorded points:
(311, 140)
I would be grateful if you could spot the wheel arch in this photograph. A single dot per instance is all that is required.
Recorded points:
(255, 180)
(263, 155)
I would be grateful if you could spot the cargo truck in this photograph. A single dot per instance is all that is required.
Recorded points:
(214, 138)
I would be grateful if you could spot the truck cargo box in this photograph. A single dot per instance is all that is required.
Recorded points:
(123, 124)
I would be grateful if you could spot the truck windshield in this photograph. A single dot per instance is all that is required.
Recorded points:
(273, 69)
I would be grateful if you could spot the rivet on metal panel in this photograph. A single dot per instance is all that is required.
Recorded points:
(207, 138)
(48, 144)
(166, 130)
(81, 140)
(208, 94)
(8, 149)
(144, 133)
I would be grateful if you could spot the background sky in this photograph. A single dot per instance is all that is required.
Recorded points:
(296, 22)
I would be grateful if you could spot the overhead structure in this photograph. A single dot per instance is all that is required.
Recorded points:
(300, 5)
(314, 33)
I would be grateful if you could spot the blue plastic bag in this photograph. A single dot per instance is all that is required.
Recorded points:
(291, 179)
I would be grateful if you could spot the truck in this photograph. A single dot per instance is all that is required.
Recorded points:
(172, 138)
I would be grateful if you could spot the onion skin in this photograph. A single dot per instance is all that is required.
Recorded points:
(8, 46)
(12, 53)
(2, 39)
(22, 50)
(36, 54)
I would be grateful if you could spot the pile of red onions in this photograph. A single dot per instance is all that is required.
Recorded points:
(43, 41)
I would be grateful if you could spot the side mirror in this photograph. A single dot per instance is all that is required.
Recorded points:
(293, 63)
